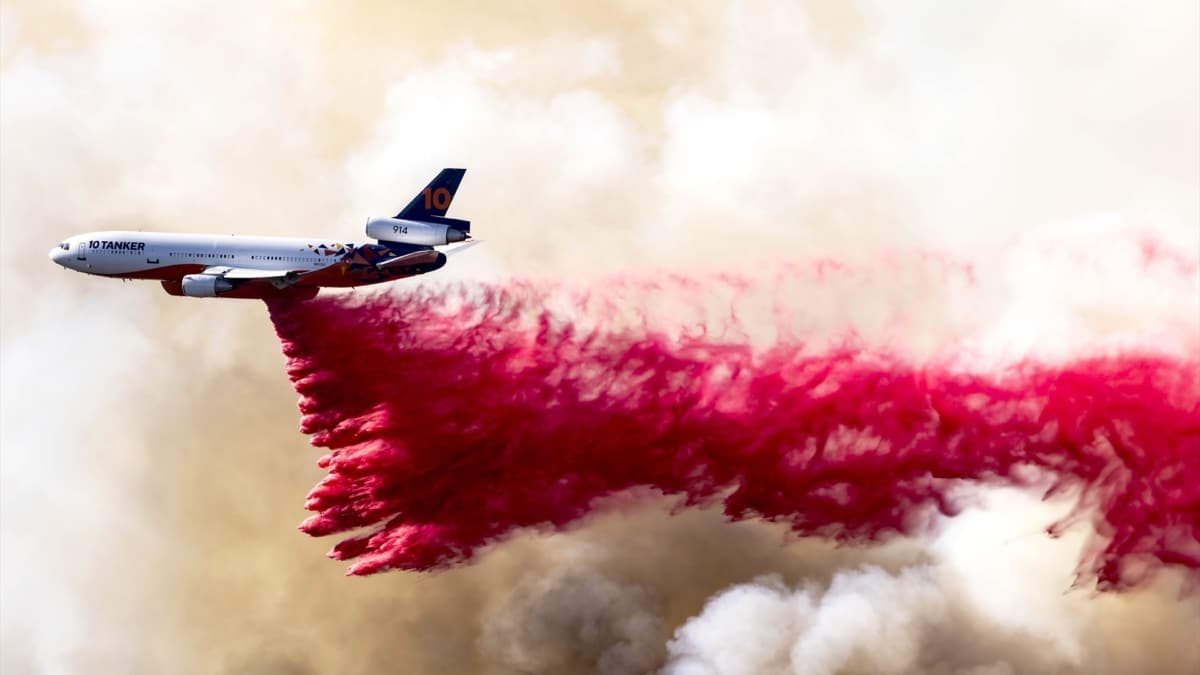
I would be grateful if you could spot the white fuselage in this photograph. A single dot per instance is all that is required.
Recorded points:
(230, 266)
(202, 265)
(158, 255)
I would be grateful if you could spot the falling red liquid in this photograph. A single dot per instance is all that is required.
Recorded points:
(453, 417)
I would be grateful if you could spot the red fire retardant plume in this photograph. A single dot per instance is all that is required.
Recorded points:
(454, 417)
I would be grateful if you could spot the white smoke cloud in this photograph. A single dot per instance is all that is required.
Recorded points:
(993, 598)
(867, 621)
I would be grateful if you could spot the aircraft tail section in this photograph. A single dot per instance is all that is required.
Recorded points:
(423, 223)
(430, 204)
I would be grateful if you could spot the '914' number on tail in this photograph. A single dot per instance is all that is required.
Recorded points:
(437, 199)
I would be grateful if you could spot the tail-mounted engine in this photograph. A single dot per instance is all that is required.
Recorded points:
(418, 232)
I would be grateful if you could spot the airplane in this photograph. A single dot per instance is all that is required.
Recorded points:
(231, 266)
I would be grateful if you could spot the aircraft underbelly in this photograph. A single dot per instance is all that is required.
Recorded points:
(352, 270)
(164, 272)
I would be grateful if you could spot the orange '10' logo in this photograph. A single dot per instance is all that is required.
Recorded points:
(437, 199)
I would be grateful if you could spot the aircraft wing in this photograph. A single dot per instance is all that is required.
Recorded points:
(244, 273)
(462, 247)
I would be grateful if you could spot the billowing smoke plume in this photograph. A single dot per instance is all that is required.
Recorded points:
(454, 417)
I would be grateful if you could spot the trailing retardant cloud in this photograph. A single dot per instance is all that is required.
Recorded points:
(454, 417)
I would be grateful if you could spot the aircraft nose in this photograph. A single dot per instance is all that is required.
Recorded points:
(58, 255)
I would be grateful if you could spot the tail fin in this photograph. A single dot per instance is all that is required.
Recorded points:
(432, 202)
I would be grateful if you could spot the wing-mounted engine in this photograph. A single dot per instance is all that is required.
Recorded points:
(417, 232)
(205, 285)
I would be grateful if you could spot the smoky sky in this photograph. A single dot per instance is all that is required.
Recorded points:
(1008, 180)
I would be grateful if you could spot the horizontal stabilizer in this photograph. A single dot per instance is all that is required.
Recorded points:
(424, 257)
(462, 247)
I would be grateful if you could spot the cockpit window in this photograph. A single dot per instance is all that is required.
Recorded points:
(64, 246)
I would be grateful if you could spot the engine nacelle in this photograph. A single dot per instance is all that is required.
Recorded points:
(204, 285)
(413, 232)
